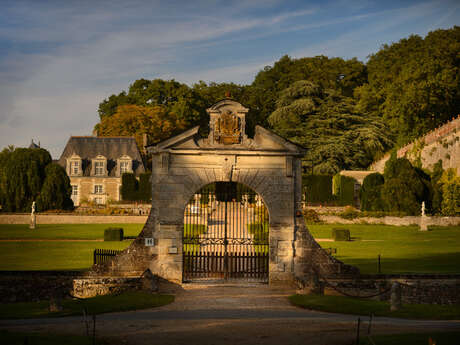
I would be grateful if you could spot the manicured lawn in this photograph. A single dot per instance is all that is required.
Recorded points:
(39, 256)
(96, 305)
(64, 231)
(356, 306)
(438, 338)
(15, 338)
(403, 249)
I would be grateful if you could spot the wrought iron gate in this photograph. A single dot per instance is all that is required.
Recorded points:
(226, 231)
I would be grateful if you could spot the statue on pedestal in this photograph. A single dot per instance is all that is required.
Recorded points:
(33, 217)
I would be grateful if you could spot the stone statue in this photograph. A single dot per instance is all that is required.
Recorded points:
(423, 219)
(33, 217)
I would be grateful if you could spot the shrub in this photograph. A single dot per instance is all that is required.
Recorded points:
(113, 234)
(311, 216)
(370, 193)
(145, 187)
(436, 186)
(450, 193)
(129, 187)
(349, 213)
(317, 188)
(405, 187)
(344, 189)
(340, 234)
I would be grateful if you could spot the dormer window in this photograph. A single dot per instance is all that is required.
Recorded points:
(124, 165)
(74, 167)
(99, 166)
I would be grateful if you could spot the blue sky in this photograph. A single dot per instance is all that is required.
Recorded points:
(60, 59)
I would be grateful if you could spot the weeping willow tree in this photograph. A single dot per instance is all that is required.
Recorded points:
(325, 122)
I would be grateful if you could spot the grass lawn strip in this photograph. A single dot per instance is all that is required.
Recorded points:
(403, 249)
(355, 306)
(95, 305)
(52, 256)
(439, 338)
(64, 231)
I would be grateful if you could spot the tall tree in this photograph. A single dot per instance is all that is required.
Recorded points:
(135, 120)
(414, 83)
(22, 176)
(324, 122)
(328, 73)
(56, 189)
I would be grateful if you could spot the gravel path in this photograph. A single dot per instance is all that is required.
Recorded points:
(228, 314)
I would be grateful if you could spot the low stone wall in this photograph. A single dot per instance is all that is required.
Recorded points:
(409, 220)
(30, 286)
(415, 289)
(90, 287)
(71, 219)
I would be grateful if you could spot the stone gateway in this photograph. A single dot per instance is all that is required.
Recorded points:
(267, 164)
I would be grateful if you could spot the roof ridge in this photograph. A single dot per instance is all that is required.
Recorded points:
(111, 137)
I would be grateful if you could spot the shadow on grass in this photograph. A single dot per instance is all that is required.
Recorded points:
(443, 263)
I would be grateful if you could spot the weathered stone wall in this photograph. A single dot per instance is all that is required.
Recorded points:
(71, 219)
(91, 287)
(111, 187)
(29, 286)
(415, 289)
(442, 144)
(398, 221)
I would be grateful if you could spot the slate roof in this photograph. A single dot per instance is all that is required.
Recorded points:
(111, 148)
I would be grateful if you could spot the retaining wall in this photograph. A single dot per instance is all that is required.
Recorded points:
(415, 289)
(399, 221)
(23, 218)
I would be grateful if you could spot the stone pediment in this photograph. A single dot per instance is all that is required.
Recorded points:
(264, 140)
(227, 133)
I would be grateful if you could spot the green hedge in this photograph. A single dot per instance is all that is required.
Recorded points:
(129, 186)
(370, 193)
(344, 189)
(317, 188)
(134, 190)
(113, 234)
(340, 234)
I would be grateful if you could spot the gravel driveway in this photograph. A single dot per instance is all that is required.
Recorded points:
(228, 314)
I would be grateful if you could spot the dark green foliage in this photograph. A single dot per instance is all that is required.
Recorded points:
(370, 193)
(325, 122)
(129, 187)
(436, 185)
(344, 189)
(405, 187)
(414, 83)
(113, 234)
(24, 178)
(136, 190)
(56, 190)
(340, 234)
(317, 188)
(145, 187)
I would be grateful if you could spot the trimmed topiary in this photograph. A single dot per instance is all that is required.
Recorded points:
(113, 234)
(340, 234)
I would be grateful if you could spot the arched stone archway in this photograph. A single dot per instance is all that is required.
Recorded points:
(267, 163)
